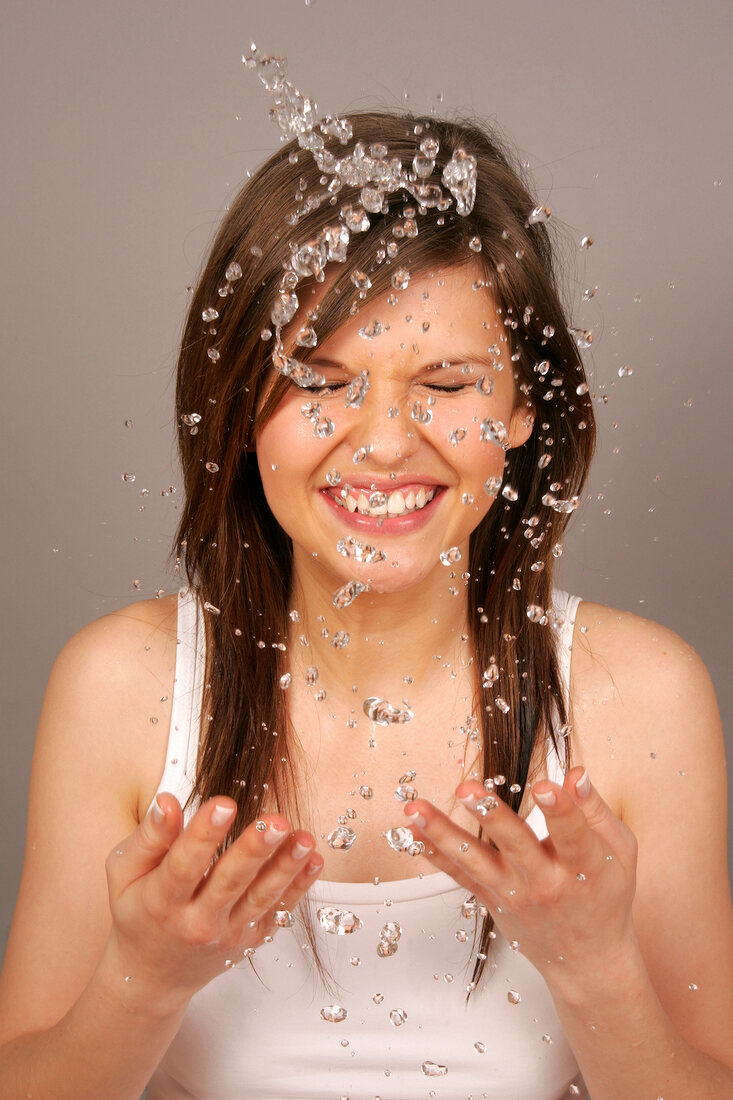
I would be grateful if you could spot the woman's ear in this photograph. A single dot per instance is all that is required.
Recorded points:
(521, 424)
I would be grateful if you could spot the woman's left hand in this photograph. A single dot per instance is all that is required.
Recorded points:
(566, 899)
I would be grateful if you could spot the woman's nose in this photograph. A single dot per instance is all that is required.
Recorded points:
(385, 429)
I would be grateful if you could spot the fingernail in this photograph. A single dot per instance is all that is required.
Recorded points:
(274, 835)
(157, 812)
(313, 868)
(544, 798)
(467, 799)
(221, 814)
(582, 787)
(416, 819)
(300, 851)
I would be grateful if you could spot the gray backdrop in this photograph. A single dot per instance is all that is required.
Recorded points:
(126, 127)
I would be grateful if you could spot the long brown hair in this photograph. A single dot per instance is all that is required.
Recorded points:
(239, 560)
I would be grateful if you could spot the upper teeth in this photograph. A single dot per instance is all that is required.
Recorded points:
(384, 504)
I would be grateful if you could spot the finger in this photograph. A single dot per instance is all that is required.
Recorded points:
(456, 870)
(257, 856)
(575, 842)
(289, 897)
(465, 853)
(514, 838)
(193, 850)
(145, 849)
(600, 817)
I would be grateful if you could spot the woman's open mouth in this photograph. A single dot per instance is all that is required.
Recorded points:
(369, 506)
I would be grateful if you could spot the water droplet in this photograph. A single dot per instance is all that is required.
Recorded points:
(580, 876)
(405, 793)
(399, 839)
(450, 556)
(283, 918)
(233, 272)
(348, 593)
(400, 278)
(535, 613)
(356, 390)
(432, 1069)
(459, 176)
(261, 826)
(513, 997)
(311, 675)
(285, 680)
(509, 493)
(128, 477)
(355, 217)
(211, 608)
(210, 314)
(502, 705)
(480, 1048)
(475, 244)
(212, 467)
(340, 639)
(342, 838)
(384, 714)
(547, 1039)
(370, 331)
(693, 986)
(338, 922)
(486, 805)
(586, 242)
(457, 435)
(625, 371)
(306, 337)
(398, 1016)
(493, 431)
(334, 1014)
(128, 423)
(351, 547)
(366, 792)
(485, 385)
(422, 416)
(539, 214)
(565, 507)
(361, 280)
(284, 308)
(333, 477)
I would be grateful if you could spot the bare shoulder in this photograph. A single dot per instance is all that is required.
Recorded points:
(99, 753)
(644, 708)
(113, 682)
(647, 727)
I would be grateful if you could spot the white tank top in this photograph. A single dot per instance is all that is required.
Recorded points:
(258, 1033)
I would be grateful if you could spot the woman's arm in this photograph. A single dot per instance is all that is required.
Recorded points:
(638, 956)
(98, 973)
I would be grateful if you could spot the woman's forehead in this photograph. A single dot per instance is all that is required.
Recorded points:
(444, 311)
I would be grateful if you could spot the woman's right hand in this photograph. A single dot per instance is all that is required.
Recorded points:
(179, 918)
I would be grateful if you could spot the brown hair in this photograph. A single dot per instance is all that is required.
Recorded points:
(237, 557)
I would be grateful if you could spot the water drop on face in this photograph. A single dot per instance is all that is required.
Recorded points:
(457, 435)
(450, 556)
(422, 416)
(492, 486)
(433, 1069)
(333, 477)
(400, 278)
(338, 922)
(348, 593)
(342, 838)
(356, 390)
(493, 431)
(334, 1014)
(485, 385)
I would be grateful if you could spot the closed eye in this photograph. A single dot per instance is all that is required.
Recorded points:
(324, 391)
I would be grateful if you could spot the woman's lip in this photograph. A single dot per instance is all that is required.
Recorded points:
(379, 485)
(387, 525)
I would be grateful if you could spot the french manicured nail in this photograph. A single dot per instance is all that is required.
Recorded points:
(416, 819)
(467, 799)
(300, 851)
(157, 812)
(221, 814)
(545, 798)
(582, 787)
(274, 835)
(313, 868)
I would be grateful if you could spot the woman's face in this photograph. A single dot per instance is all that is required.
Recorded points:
(405, 472)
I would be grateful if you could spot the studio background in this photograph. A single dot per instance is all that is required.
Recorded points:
(126, 128)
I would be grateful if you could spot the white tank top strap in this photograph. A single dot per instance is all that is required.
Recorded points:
(179, 774)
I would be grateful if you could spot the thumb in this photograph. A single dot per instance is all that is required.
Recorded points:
(144, 849)
(598, 813)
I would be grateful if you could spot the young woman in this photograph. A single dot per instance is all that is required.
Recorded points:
(402, 820)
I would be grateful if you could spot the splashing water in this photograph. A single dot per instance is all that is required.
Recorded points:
(342, 838)
(338, 922)
(433, 1069)
(350, 547)
(356, 390)
(283, 918)
(450, 556)
(389, 937)
(334, 1014)
(399, 839)
(493, 431)
(348, 593)
(384, 714)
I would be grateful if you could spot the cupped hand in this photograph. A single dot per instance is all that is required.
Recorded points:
(565, 899)
(180, 916)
